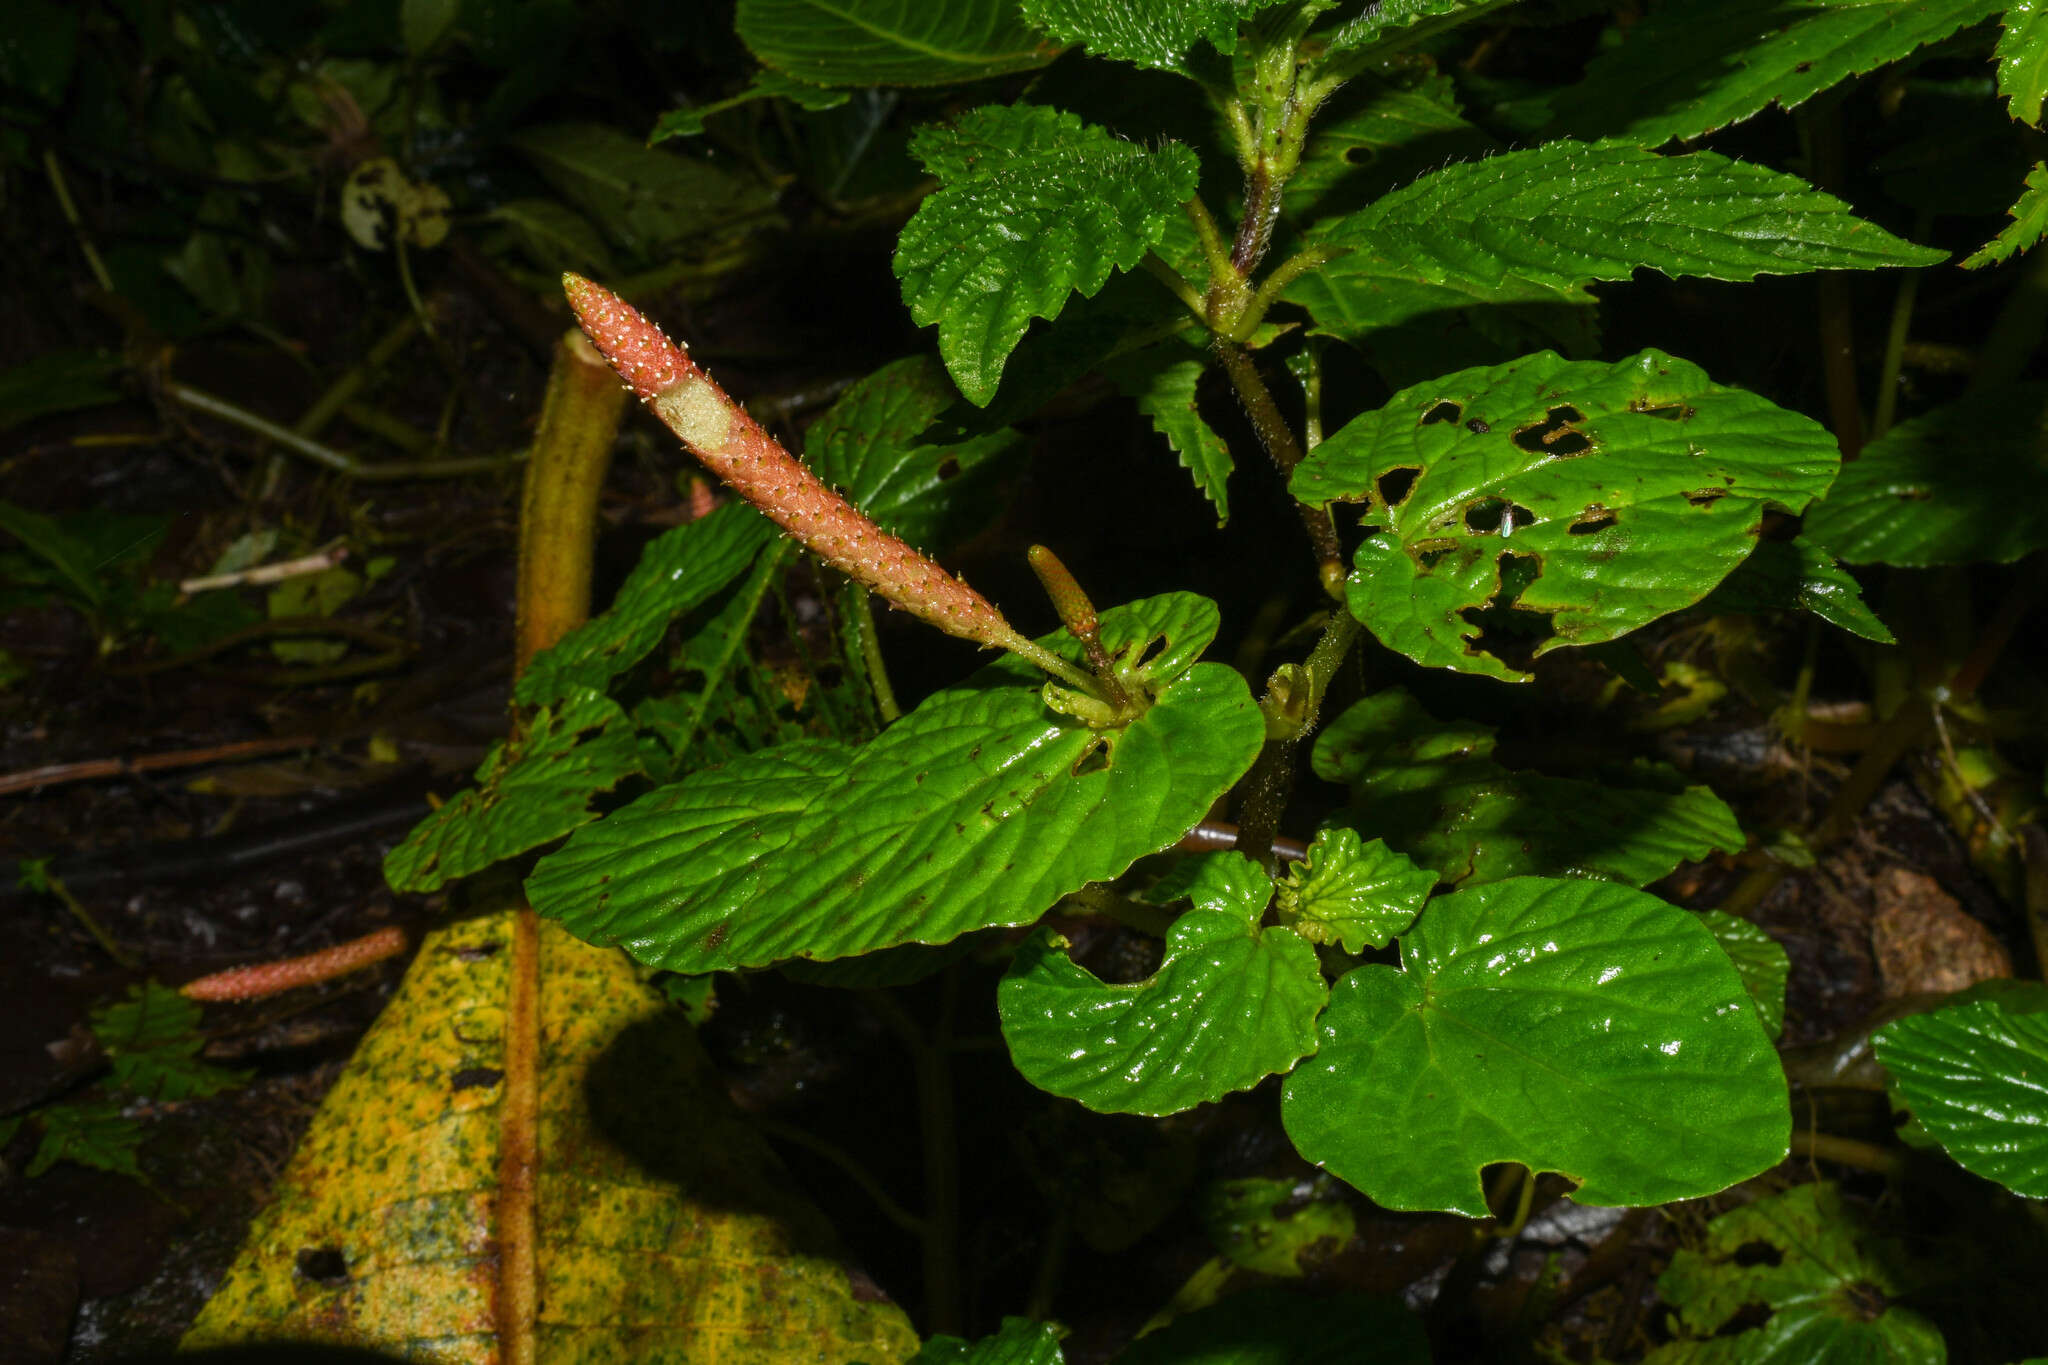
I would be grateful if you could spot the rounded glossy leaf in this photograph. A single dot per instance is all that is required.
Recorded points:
(1964, 484)
(980, 808)
(1578, 1027)
(1231, 1004)
(1351, 892)
(1586, 499)
(1276, 1327)
(1976, 1076)
(1020, 1341)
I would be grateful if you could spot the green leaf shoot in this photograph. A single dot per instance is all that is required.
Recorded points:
(2029, 220)
(1352, 893)
(2023, 58)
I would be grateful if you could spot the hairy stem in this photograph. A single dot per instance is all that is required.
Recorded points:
(1279, 443)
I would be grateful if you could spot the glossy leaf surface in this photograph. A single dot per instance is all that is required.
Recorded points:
(1825, 1281)
(1759, 960)
(890, 42)
(1798, 575)
(528, 792)
(1033, 204)
(1352, 893)
(1591, 498)
(1373, 138)
(1976, 1075)
(1578, 1027)
(1408, 21)
(1231, 1004)
(980, 808)
(1696, 65)
(1271, 1326)
(1019, 1341)
(2023, 58)
(1156, 34)
(1966, 483)
(2028, 226)
(1434, 790)
(682, 569)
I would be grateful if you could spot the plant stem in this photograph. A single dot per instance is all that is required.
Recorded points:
(1895, 339)
(850, 1166)
(55, 886)
(55, 171)
(1271, 782)
(1285, 453)
(572, 449)
(1864, 1156)
(200, 401)
(1822, 124)
(866, 649)
(1175, 282)
(58, 773)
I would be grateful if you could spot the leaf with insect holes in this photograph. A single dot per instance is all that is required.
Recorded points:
(980, 808)
(1759, 960)
(1032, 205)
(1019, 1341)
(872, 445)
(1351, 892)
(1577, 500)
(1573, 1026)
(1964, 483)
(890, 42)
(1163, 380)
(1975, 1074)
(1691, 66)
(1798, 575)
(529, 791)
(1155, 34)
(1434, 790)
(1531, 226)
(681, 570)
(2028, 226)
(2023, 58)
(1231, 1004)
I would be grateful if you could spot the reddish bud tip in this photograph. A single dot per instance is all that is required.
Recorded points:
(648, 361)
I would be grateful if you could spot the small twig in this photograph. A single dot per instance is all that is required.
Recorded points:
(200, 401)
(1864, 1156)
(86, 248)
(317, 562)
(282, 625)
(36, 876)
(261, 979)
(56, 774)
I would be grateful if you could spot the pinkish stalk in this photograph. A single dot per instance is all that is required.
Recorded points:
(261, 979)
(754, 464)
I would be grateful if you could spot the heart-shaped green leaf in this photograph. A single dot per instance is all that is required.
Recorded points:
(981, 808)
(1966, 483)
(1352, 893)
(1578, 499)
(1579, 1027)
(1976, 1075)
(1433, 790)
(1033, 204)
(1231, 1004)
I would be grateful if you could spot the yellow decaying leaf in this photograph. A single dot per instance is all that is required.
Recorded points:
(666, 1230)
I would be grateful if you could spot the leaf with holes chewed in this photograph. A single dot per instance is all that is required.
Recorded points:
(1798, 575)
(680, 571)
(1351, 892)
(1032, 205)
(1691, 66)
(1760, 961)
(1540, 225)
(890, 42)
(2028, 226)
(2023, 58)
(980, 808)
(1019, 1341)
(1155, 34)
(1554, 502)
(1573, 1026)
(1434, 790)
(1273, 1326)
(1231, 1004)
(1824, 1280)
(871, 445)
(1975, 1073)
(1966, 483)
(529, 791)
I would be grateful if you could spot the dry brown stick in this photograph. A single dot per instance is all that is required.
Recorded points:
(91, 769)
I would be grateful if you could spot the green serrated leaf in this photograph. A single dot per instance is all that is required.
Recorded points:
(1230, 1005)
(890, 42)
(1573, 1026)
(2023, 58)
(1033, 205)
(1162, 380)
(152, 1042)
(1155, 34)
(1271, 1225)
(1828, 1282)
(1966, 483)
(1271, 1326)
(529, 791)
(1019, 1341)
(1691, 66)
(1976, 1076)
(1400, 23)
(1798, 575)
(980, 808)
(1589, 498)
(1759, 960)
(89, 1132)
(2029, 218)
(1539, 225)
(647, 200)
(1433, 790)
(682, 569)
(73, 559)
(1352, 893)
(1373, 138)
(57, 381)
(872, 446)
(768, 83)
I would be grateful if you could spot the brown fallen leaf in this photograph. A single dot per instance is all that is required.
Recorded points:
(1925, 942)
